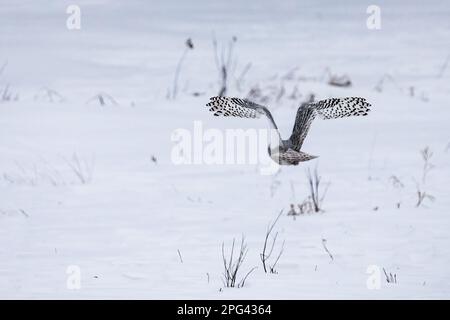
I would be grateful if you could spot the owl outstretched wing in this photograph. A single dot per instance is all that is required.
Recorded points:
(236, 107)
(326, 109)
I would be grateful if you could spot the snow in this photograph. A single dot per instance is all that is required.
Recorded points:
(126, 228)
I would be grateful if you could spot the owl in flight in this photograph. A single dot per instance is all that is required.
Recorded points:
(288, 152)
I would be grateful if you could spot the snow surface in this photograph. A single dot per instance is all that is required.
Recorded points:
(126, 227)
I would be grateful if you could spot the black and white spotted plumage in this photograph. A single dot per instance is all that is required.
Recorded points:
(224, 106)
(341, 107)
(333, 108)
(288, 152)
(236, 107)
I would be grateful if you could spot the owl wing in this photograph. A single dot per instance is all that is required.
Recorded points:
(326, 109)
(236, 107)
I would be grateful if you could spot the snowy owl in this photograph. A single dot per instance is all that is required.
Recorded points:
(288, 152)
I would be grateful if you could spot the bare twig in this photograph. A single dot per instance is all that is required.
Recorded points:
(314, 189)
(51, 94)
(426, 154)
(390, 278)
(266, 252)
(272, 268)
(324, 244)
(179, 255)
(224, 62)
(82, 169)
(387, 77)
(34, 174)
(427, 166)
(313, 202)
(188, 46)
(3, 67)
(396, 182)
(231, 268)
(6, 94)
(242, 282)
(103, 99)
(24, 213)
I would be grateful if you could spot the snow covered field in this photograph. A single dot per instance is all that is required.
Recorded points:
(82, 199)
